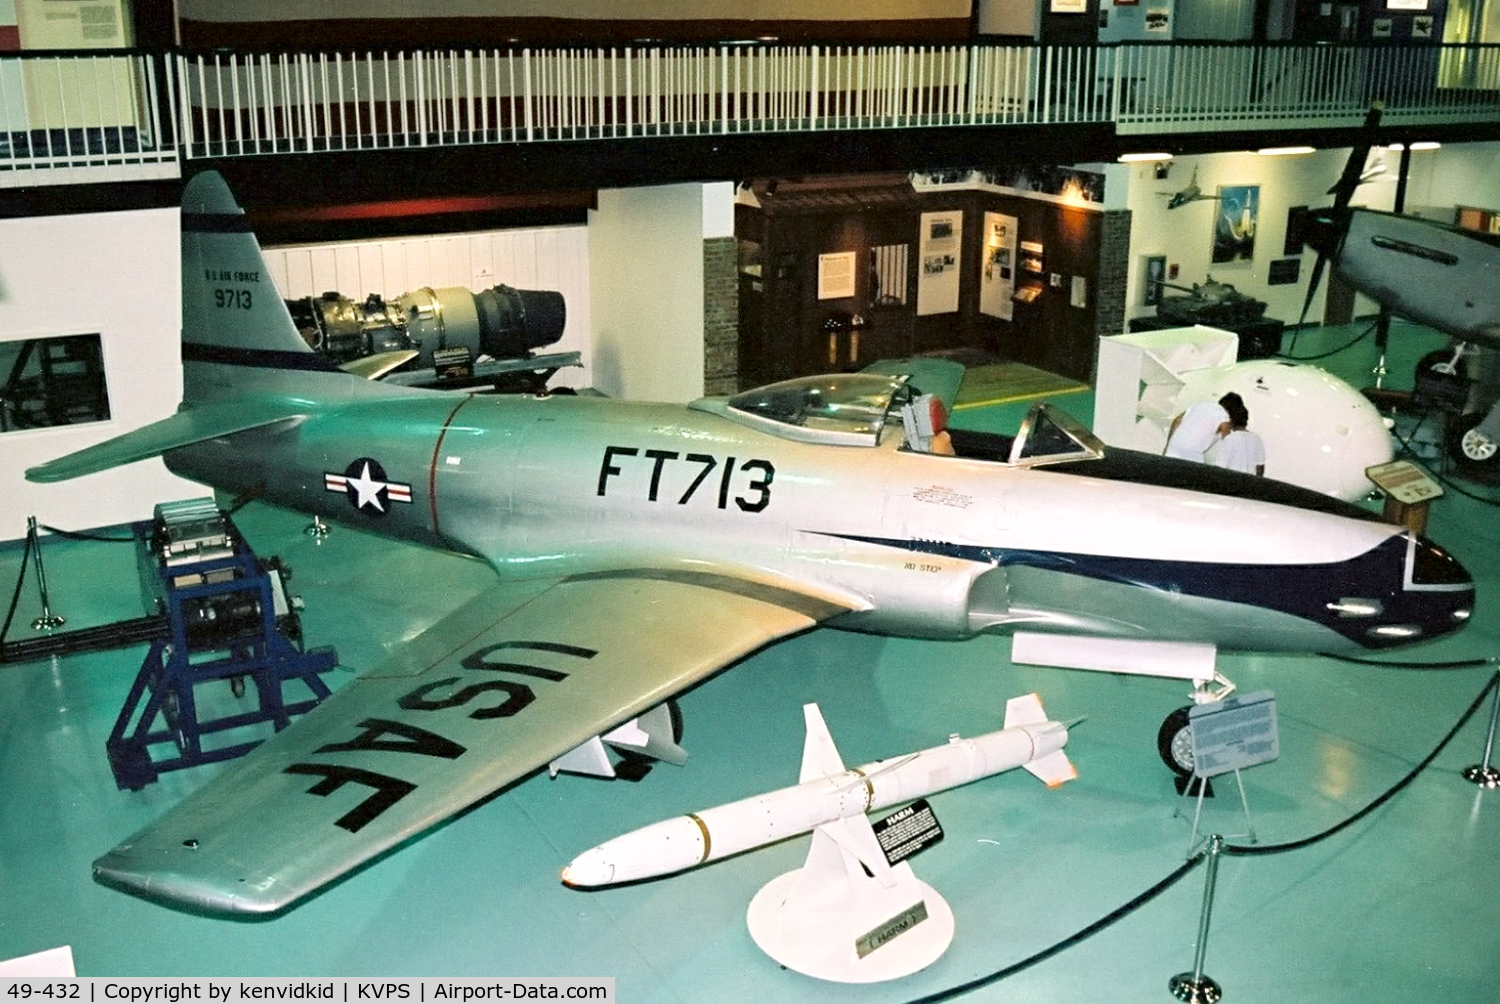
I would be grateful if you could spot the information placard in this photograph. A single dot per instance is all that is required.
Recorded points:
(1234, 733)
(907, 831)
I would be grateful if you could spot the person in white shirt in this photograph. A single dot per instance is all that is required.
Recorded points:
(1241, 449)
(1198, 428)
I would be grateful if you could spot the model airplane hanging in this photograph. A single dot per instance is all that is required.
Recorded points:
(662, 543)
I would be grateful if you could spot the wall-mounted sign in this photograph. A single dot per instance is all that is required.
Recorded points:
(998, 281)
(1069, 6)
(941, 242)
(1284, 272)
(836, 275)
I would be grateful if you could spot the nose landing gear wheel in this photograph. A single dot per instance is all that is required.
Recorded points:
(1174, 741)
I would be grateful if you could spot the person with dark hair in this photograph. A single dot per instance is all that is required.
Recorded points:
(1201, 426)
(1240, 449)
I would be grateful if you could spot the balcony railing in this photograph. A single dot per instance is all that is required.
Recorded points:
(145, 111)
(87, 117)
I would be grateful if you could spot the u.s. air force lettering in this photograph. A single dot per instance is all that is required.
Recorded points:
(392, 736)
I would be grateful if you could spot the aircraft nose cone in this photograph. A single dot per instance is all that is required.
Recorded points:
(1437, 597)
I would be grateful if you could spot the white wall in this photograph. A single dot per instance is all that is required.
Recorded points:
(546, 258)
(1184, 234)
(646, 272)
(1467, 174)
(116, 274)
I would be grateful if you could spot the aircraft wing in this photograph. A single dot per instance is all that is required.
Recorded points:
(181, 429)
(479, 700)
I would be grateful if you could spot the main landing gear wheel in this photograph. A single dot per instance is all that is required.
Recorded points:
(1474, 454)
(1174, 741)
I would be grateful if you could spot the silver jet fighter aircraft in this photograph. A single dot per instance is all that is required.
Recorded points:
(665, 542)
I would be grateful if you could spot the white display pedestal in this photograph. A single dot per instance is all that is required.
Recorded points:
(832, 920)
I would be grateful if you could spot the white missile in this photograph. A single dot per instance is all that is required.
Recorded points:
(827, 794)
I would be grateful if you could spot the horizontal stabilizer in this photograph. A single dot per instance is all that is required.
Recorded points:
(182, 429)
(1053, 769)
(820, 758)
(376, 366)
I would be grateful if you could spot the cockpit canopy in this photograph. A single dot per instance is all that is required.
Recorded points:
(847, 408)
(854, 409)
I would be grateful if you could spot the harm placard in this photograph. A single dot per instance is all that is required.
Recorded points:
(1234, 733)
(907, 831)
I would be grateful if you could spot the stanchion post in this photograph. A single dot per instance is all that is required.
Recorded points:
(1483, 773)
(1195, 987)
(48, 620)
(317, 529)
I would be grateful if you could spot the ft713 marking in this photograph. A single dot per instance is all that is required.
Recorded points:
(689, 472)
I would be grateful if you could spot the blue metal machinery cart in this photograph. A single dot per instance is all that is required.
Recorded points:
(228, 620)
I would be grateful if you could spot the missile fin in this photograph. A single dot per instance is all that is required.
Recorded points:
(1024, 710)
(820, 757)
(1053, 769)
(838, 851)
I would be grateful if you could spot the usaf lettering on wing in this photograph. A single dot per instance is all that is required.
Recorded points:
(391, 736)
(681, 475)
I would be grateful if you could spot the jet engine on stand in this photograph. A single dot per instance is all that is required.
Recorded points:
(448, 337)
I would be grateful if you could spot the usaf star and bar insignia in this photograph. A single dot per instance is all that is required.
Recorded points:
(367, 487)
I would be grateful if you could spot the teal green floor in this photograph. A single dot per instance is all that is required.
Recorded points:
(1402, 906)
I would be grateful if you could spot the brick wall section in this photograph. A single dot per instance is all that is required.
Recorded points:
(721, 314)
(1114, 266)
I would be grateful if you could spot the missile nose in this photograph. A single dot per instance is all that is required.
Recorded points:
(588, 870)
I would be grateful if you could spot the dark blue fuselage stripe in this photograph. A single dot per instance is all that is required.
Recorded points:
(194, 352)
(1303, 591)
(215, 223)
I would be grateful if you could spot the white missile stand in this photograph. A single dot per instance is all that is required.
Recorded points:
(833, 920)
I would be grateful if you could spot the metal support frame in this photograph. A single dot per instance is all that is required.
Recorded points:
(223, 626)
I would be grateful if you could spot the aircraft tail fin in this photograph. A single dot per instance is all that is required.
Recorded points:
(245, 365)
(232, 312)
(820, 757)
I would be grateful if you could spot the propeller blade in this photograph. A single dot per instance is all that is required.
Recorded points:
(1336, 220)
(1312, 288)
(1343, 191)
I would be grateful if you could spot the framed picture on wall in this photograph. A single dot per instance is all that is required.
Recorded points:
(836, 275)
(1235, 224)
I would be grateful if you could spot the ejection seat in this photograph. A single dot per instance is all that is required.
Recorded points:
(925, 423)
